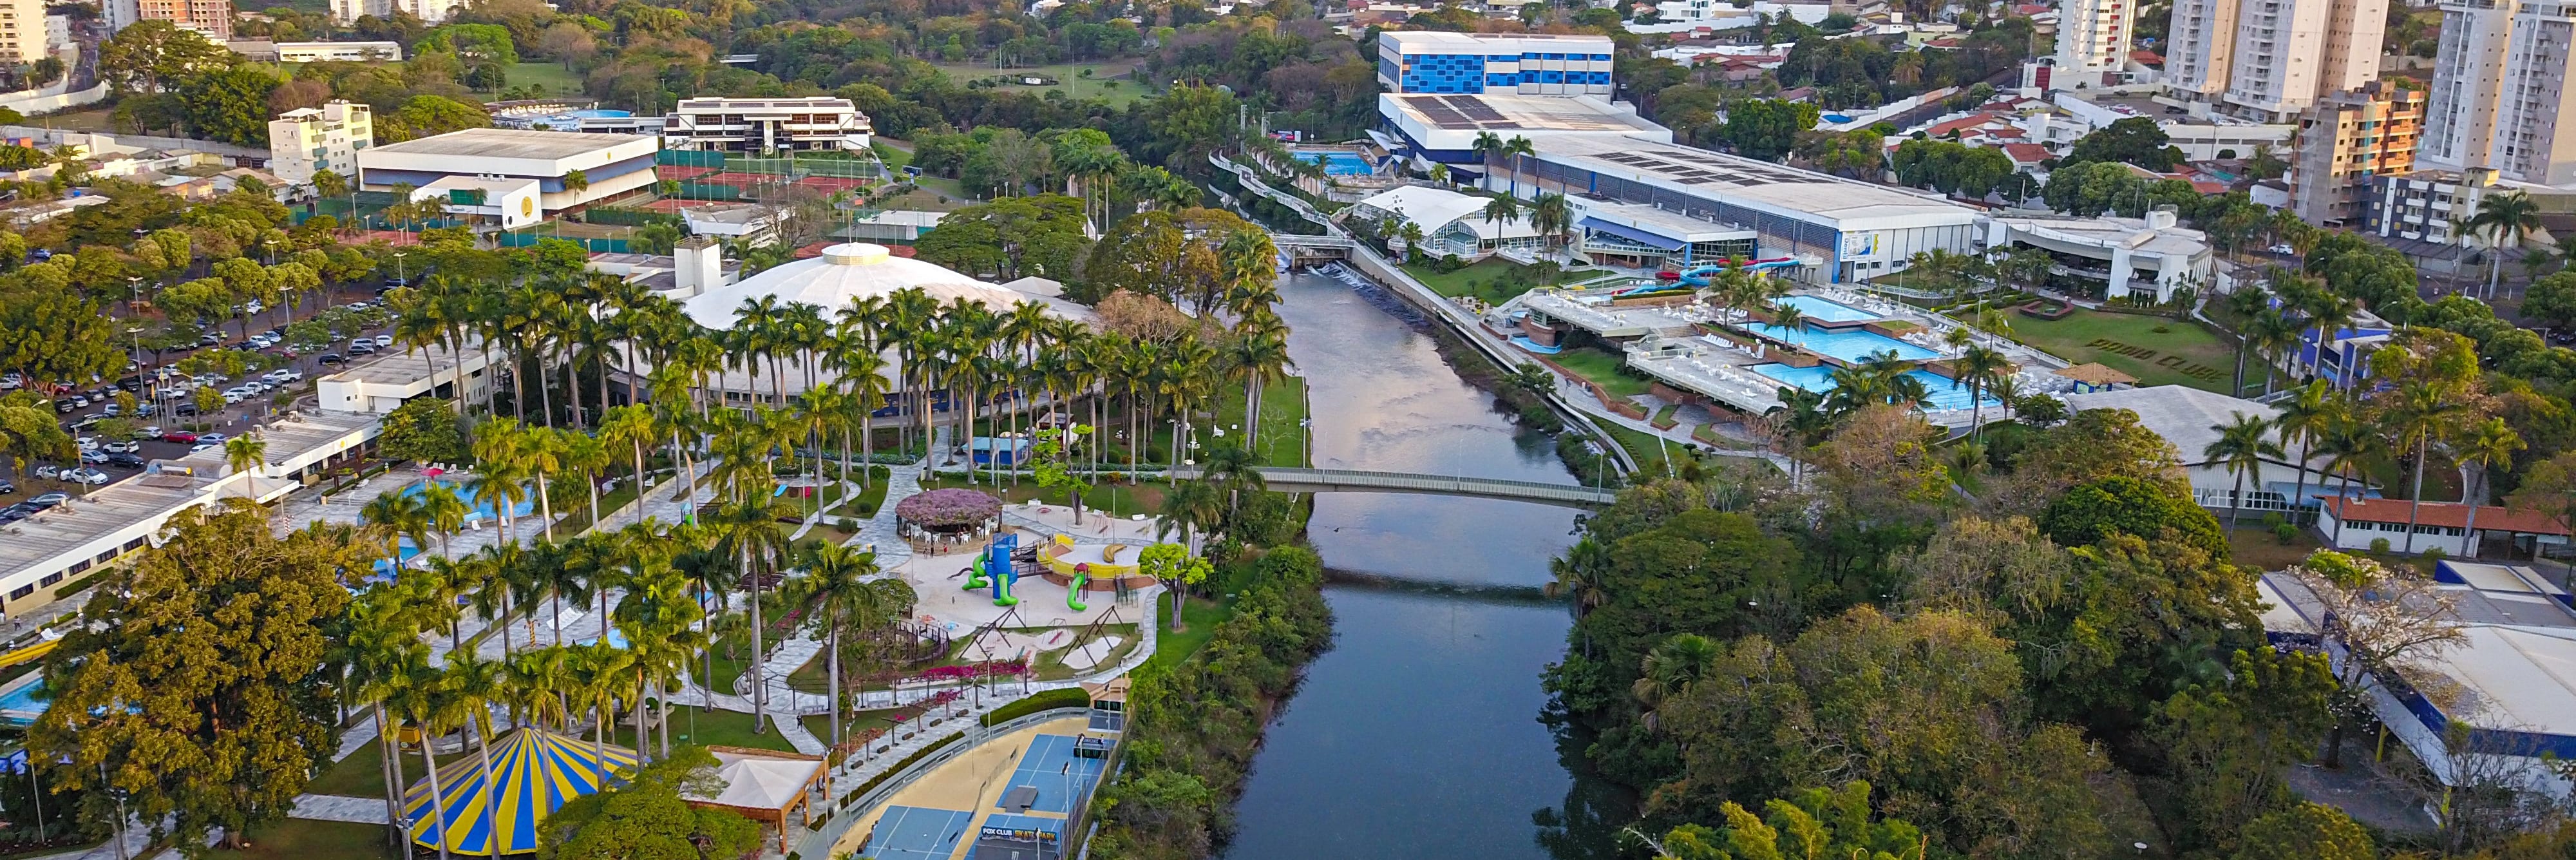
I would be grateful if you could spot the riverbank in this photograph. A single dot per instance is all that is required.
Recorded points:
(1194, 726)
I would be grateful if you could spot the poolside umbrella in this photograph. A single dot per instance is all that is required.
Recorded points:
(533, 773)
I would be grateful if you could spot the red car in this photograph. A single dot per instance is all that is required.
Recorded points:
(179, 436)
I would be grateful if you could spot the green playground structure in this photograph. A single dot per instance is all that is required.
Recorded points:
(996, 562)
(1073, 593)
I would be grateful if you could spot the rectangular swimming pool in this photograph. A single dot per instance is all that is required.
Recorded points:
(1339, 163)
(1826, 310)
(1854, 346)
(1945, 393)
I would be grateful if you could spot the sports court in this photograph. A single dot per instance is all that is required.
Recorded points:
(1052, 776)
(1018, 837)
(914, 833)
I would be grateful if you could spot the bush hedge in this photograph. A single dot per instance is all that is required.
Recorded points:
(1043, 700)
(898, 767)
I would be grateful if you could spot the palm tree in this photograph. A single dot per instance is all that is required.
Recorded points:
(1502, 209)
(2245, 303)
(1261, 358)
(748, 527)
(1673, 666)
(424, 701)
(2241, 446)
(243, 453)
(2304, 418)
(1552, 217)
(1979, 366)
(385, 655)
(398, 515)
(1488, 147)
(2347, 444)
(838, 592)
(2504, 217)
(444, 509)
(1517, 147)
(631, 426)
(2424, 411)
(2485, 448)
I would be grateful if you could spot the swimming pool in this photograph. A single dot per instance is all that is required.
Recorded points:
(20, 705)
(476, 507)
(404, 550)
(1854, 346)
(1945, 393)
(1339, 163)
(1825, 310)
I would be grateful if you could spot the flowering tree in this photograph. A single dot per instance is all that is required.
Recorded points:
(951, 508)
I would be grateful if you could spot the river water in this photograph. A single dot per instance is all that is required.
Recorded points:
(1418, 735)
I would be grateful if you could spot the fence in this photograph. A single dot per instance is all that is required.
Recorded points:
(688, 158)
(595, 246)
(624, 217)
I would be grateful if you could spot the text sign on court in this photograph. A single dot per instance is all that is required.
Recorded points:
(1018, 834)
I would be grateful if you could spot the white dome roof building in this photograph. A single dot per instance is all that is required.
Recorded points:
(844, 274)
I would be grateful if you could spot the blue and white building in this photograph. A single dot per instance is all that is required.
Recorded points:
(610, 164)
(1527, 64)
(1443, 128)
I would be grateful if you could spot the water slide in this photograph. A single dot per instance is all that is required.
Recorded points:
(1698, 276)
(30, 652)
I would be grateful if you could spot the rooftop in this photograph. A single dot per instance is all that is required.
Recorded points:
(2134, 234)
(45, 537)
(1735, 179)
(509, 143)
(2445, 514)
(1442, 38)
(1516, 113)
(2187, 417)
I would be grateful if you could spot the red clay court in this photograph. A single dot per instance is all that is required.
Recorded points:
(673, 171)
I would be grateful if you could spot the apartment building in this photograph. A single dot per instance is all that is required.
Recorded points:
(22, 31)
(2499, 88)
(819, 123)
(2271, 59)
(212, 19)
(428, 11)
(2094, 34)
(304, 142)
(2345, 140)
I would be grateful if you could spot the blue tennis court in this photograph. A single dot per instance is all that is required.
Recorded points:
(1055, 772)
(915, 833)
(1018, 837)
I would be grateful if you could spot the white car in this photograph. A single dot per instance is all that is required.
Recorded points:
(201, 446)
(236, 395)
(384, 340)
(88, 443)
(281, 377)
(121, 447)
(254, 306)
(255, 387)
(2283, 249)
(152, 432)
(85, 476)
(212, 438)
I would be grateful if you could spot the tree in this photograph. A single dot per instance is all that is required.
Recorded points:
(424, 430)
(2382, 617)
(1815, 823)
(230, 105)
(244, 453)
(2229, 743)
(837, 590)
(2505, 218)
(2552, 300)
(198, 686)
(2242, 446)
(1766, 129)
(1177, 569)
(2136, 140)
(2307, 831)
(2121, 504)
(428, 116)
(646, 819)
(154, 55)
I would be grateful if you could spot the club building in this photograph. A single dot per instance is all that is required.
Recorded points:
(1529, 64)
(1688, 202)
(532, 171)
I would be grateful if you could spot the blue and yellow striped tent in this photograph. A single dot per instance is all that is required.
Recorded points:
(533, 773)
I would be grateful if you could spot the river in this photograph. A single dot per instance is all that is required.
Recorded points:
(1418, 735)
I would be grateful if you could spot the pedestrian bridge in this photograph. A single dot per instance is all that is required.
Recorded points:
(1350, 481)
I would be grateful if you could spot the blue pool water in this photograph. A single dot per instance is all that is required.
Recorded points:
(616, 639)
(1825, 310)
(23, 700)
(384, 568)
(1852, 346)
(1339, 163)
(477, 507)
(1945, 393)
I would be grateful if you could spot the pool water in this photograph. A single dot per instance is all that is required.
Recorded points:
(23, 701)
(1339, 163)
(1853, 346)
(1826, 311)
(476, 507)
(1945, 393)
(405, 550)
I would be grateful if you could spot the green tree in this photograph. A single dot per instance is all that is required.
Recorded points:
(2229, 744)
(647, 819)
(199, 688)
(2308, 831)
(2120, 504)
(1766, 129)
(154, 55)
(2552, 300)
(2242, 446)
(1815, 823)
(427, 116)
(2136, 140)
(230, 105)
(1177, 569)
(424, 430)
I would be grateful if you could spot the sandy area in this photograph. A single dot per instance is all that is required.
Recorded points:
(973, 782)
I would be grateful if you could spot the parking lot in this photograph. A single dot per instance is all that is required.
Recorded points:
(231, 421)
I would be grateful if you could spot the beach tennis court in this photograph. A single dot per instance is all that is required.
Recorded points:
(914, 833)
(1051, 770)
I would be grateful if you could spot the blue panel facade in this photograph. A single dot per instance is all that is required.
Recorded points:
(1442, 73)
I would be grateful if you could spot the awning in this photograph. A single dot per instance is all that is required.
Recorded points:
(1633, 234)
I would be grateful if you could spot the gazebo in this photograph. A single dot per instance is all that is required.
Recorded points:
(762, 785)
(2096, 377)
(533, 773)
(948, 515)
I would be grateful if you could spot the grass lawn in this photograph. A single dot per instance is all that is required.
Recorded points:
(100, 120)
(894, 158)
(1651, 452)
(1201, 616)
(2256, 547)
(1068, 76)
(552, 76)
(299, 839)
(2184, 354)
(1283, 405)
(1486, 277)
(1602, 368)
(361, 774)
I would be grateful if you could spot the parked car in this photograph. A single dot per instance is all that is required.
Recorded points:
(361, 347)
(7, 488)
(49, 471)
(14, 513)
(2283, 249)
(152, 431)
(120, 447)
(49, 500)
(384, 340)
(125, 461)
(181, 436)
(201, 447)
(85, 476)
(212, 438)
(327, 358)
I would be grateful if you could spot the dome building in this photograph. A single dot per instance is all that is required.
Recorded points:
(844, 274)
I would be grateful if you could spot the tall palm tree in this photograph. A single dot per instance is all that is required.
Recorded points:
(244, 453)
(838, 591)
(2424, 411)
(1513, 149)
(2347, 443)
(397, 515)
(2245, 304)
(2241, 446)
(1673, 666)
(748, 528)
(1978, 366)
(2504, 217)
(1489, 148)
(425, 701)
(1260, 358)
(1553, 217)
(632, 426)
(1504, 210)
(2483, 449)
(444, 510)
(385, 656)
(2304, 418)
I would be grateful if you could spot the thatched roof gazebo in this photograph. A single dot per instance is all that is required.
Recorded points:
(2095, 376)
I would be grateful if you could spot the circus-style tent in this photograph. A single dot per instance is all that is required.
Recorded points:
(533, 773)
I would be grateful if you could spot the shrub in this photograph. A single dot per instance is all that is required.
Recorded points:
(2285, 533)
(1043, 700)
(2379, 546)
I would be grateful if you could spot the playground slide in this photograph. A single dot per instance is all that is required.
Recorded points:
(1073, 594)
(997, 561)
(30, 652)
(975, 574)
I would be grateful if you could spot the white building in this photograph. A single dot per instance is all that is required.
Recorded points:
(607, 164)
(1452, 223)
(1443, 129)
(2150, 256)
(1529, 64)
(2201, 134)
(23, 32)
(305, 141)
(428, 11)
(2273, 58)
(819, 123)
(2094, 35)
(507, 203)
(2499, 88)
(2359, 524)
(316, 52)
(2189, 418)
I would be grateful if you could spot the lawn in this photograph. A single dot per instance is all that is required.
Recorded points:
(1201, 617)
(1651, 452)
(1283, 406)
(361, 774)
(1485, 279)
(1068, 76)
(100, 120)
(299, 839)
(552, 76)
(1602, 368)
(2185, 353)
